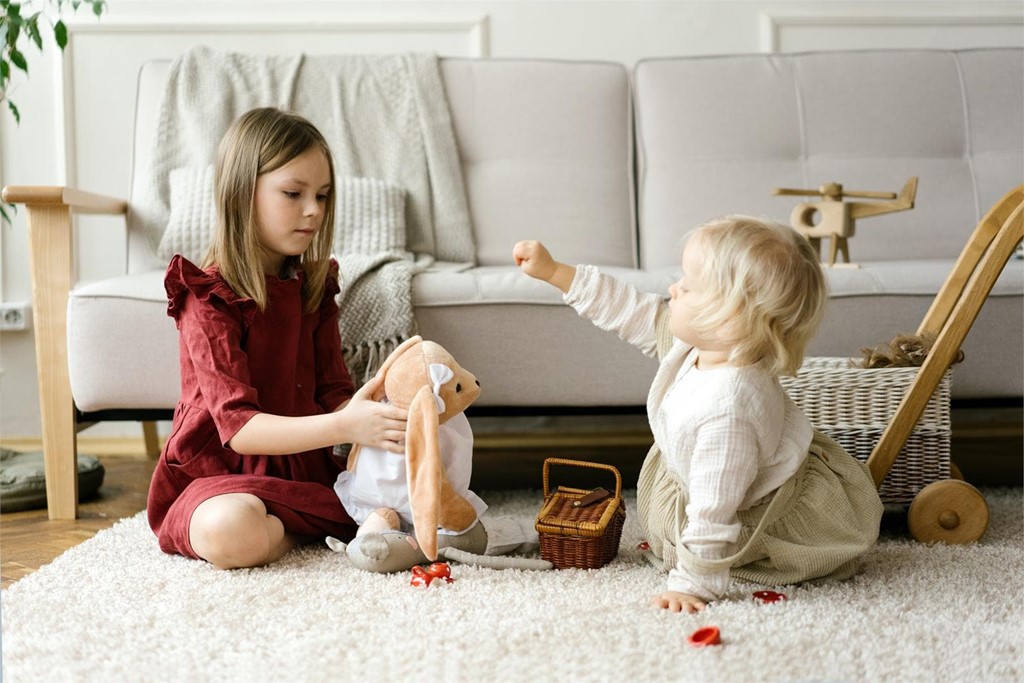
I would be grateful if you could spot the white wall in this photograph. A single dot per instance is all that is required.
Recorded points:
(77, 108)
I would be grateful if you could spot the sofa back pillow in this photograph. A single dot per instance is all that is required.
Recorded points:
(716, 134)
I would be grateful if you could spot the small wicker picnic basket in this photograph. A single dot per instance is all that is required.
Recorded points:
(580, 528)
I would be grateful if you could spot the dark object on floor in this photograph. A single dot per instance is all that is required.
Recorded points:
(23, 483)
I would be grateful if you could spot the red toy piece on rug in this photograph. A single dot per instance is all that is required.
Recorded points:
(424, 576)
(769, 596)
(708, 635)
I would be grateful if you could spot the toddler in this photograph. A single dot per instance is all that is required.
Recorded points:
(738, 482)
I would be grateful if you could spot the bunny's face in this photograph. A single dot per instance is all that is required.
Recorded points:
(429, 364)
(459, 392)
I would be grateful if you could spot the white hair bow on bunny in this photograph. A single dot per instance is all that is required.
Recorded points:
(439, 375)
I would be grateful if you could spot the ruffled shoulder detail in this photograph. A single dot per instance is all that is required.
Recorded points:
(184, 277)
(333, 286)
(328, 302)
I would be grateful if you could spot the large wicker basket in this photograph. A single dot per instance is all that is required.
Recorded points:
(854, 405)
(580, 536)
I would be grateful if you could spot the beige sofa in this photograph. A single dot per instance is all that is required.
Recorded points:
(611, 165)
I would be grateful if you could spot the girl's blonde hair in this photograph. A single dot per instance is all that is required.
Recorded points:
(764, 284)
(257, 142)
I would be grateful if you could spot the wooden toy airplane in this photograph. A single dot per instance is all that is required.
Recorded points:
(837, 217)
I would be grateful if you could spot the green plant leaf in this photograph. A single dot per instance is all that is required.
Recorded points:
(13, 31)
(60, 34)
(4, 216)
(14, 110)
(97, 7)
(33, 31)
(5, 71)
(18, 60)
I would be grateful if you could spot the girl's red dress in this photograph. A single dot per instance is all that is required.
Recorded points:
(235, 362)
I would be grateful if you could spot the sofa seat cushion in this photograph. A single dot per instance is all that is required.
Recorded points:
(515, 334)
(513, 331)
(916, 277)
(122, 345)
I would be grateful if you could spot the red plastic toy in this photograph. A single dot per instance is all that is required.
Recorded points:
(769, 596)
(708, 635)
(424, 576)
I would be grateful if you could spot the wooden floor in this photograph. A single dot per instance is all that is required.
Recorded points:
(29, 540)
(987, 446)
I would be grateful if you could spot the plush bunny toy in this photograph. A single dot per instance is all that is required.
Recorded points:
(427, 490)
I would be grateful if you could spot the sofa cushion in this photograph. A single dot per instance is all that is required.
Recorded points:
(867, 306)
(366, 208)
(515, 334)
(522, 150)
(546, 151)
(193, 219)
(125, 350)
(716, 134)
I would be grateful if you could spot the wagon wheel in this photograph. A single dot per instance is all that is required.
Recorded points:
(948, 511)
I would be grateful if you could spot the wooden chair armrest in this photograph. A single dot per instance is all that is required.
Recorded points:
(50, 227)
(55, 195)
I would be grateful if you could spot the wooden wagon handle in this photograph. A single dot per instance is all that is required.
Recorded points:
(952, 315)
(581, 463)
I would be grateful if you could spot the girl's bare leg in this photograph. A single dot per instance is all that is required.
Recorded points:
(233, 530)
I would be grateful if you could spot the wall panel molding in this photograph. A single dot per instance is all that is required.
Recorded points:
(472, 32)
(774, 23)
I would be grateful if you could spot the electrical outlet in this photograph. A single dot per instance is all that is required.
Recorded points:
(15, 316)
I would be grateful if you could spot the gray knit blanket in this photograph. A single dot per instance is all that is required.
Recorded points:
(385, 117)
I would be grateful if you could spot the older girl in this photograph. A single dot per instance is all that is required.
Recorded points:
(248, 469)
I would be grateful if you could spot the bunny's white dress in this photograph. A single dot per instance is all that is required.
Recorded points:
(380, 479)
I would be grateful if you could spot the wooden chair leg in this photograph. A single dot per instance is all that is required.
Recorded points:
(50, 256)
(151, 438)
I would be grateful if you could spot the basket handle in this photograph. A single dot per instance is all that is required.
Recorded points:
(582, 463)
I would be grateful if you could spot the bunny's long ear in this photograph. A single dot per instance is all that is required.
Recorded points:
(399, 350)
(424, 469)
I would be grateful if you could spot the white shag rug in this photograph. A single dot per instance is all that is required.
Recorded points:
(117, 609)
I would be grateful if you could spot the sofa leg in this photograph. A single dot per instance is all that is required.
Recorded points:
(152, 439)
(50, 248)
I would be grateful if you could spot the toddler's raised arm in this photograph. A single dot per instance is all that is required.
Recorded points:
(535, 260)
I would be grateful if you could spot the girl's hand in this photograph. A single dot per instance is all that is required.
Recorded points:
(679, 602)
(369, 422)
(534, 259)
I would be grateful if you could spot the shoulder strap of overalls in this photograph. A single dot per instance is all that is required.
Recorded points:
(663, 332)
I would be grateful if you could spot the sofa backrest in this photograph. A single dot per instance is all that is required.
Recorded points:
(716, 134)
(546, 149)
